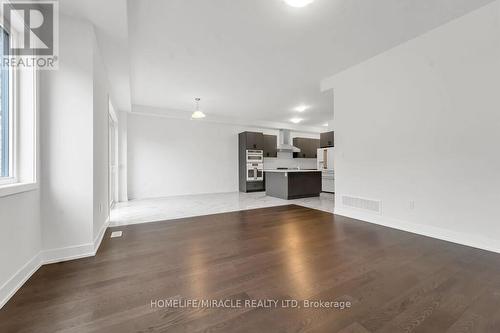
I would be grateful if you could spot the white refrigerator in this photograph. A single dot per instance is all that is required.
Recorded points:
(325, 164)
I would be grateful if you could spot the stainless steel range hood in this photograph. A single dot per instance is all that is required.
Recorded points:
(285, 142)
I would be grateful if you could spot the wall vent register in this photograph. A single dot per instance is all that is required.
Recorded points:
(116, 234)
(373, 206)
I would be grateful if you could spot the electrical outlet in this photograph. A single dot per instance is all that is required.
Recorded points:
(100, 208)
(412, 205)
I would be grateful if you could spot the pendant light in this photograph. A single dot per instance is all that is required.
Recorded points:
(197, 114)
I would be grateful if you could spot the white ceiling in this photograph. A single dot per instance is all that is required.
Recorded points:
(254, 59)
(109, 18)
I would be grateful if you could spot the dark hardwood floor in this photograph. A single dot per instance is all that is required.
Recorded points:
(395, 281)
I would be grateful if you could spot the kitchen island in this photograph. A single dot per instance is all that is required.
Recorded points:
(293, 184)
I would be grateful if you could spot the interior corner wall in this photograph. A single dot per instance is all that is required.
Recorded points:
(19, 225)
(418, 128)
(66, 102)
(172, 157)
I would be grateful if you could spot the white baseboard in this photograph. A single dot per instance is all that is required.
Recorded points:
(478, 242)
(67, 253)
(9, 288)
(75, 252)
(100, 236)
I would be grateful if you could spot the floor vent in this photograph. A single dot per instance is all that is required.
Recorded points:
(373, 206)
(115, 234)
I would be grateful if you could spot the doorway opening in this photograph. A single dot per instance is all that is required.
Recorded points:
(113, 156)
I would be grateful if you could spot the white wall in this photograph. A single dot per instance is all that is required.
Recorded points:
(74, 145)
(421, 123)
(168, 157)
(66, 140)
(20, 240)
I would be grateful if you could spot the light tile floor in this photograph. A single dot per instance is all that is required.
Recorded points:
(160, 209)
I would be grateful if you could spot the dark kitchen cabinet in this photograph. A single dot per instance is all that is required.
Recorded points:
(270, 145)
(252, 140)
(326, 139)
(308, 147)
(248, 141)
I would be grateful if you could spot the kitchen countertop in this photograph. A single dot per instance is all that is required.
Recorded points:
(292, 170)
(293, 184)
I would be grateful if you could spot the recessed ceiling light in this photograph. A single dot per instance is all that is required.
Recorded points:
(298, 3)
(301, 108)
(197, 114)
(296, 120)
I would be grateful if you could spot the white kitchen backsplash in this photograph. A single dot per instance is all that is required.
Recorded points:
(286, 160)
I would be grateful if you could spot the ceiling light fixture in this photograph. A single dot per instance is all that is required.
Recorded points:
(298, 3)
(296, 120)
(197, 114)
(301, 108)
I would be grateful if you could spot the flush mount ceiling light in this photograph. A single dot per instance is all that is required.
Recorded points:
(301, 108)
(197, 114)
(298, 3)
(296, 120)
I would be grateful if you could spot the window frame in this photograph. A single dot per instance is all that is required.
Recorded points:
(24, 140)
(13, 116)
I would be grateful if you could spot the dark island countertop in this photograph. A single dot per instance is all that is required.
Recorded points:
(293, 184)
(292, 170)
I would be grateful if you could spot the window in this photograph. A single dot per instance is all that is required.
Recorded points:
(18, 118)
(6, 117)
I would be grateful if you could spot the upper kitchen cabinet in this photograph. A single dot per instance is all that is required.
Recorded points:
(326, 140)
(308, 147)
(252, 140)
(270, 145)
